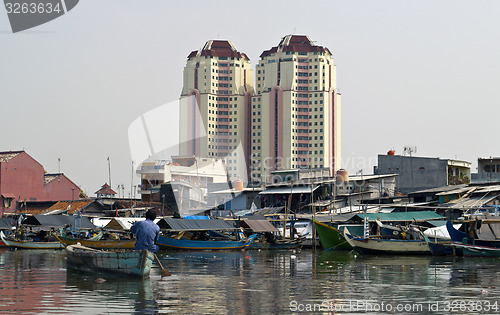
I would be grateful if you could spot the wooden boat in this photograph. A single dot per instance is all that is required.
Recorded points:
(99, 243)
(386, 246)
(330, 237)
(128, 262)
(29, 244)
(261, 243)
(479, 233)
(171, 242)
(476, 250)
(268, 236)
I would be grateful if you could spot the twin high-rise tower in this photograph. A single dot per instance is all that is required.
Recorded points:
(290, 119)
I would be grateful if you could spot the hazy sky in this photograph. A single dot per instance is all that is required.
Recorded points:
(421, 73)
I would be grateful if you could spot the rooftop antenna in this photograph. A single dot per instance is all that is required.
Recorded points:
(409, 149)
(59, 165)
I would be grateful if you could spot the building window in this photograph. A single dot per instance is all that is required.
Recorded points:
(7, 202)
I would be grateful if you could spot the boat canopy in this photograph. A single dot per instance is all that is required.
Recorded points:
(258, 226)
(122, 223)
(194, 225)
(58, 221)
(6, 223)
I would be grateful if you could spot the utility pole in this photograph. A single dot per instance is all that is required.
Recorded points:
(410, 149)
(109, 172)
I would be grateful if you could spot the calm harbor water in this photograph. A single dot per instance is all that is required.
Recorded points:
(255, 282)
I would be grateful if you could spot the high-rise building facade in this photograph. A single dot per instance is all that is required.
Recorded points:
(296, 109)
(214, 106)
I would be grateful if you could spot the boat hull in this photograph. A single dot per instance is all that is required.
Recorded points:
(126, 262)
(463, 238)
(165, 242)
(29, 244)
(442, 248)
(330, 237)
(371, 246)
(292, 244)
(477, 251)
(99, 244)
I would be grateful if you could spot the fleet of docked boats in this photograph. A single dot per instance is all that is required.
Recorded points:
(408, 233)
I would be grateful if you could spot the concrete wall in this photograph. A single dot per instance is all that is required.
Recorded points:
(414, 173)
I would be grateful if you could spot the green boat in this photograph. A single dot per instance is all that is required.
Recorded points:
(330, 237)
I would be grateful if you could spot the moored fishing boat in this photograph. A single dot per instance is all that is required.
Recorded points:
(167, 242)
(268, 236)
(386, 246)
(260, 242)
(29, 244)
(98, 243)
(331, 237)
(439, 241)
(477, 232)
(190, 234)
(476, 250)
(126, 262)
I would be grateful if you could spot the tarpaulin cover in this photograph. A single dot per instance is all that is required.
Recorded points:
(258, 225)
(6, 223)
(194, 225)
(58, 221)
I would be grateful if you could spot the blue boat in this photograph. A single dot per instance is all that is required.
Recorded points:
(170, 242)
(442, 248)
(189, 234)
(479, 233)
(481, 238)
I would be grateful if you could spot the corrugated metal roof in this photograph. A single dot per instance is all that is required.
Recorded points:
(287, 190)
(7, 156)
(437, 189)
(194, 225)
(335, 218)
(258, 226)
(403, 216)
(489, 189)
(455, 191)
(47, 178)
(468, 203)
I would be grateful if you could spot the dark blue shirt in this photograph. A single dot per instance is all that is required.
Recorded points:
(146, 233)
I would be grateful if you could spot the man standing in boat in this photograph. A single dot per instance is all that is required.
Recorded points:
(146, 233)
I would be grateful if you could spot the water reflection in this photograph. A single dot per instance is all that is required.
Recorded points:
(31, 280)
(242, 282)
